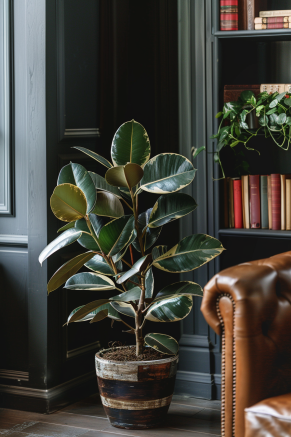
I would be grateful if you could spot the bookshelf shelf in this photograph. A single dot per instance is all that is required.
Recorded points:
(264, 233)
(262, 34)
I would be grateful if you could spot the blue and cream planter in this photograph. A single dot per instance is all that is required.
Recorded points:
(136, 394)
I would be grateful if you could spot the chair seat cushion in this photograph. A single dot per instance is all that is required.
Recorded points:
(269, 418)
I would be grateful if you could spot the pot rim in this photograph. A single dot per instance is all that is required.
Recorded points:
(161, 361)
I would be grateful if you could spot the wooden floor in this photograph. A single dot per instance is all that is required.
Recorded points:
(187, 417)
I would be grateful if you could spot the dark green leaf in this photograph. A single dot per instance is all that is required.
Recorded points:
(273, 103)
(81, 312)
(263, 120)
(162, 343)
(101, 184)
(99, 265)
(197, 151)
(86, 240)
(272, 111)
(123, 308)
(167, 173)
(127, 175)
(151, 234)
(105, 311)
(189, 254)
(159, 251)
(137, 267)
(67, 226)
(170, 207)
(116, 235)
(246, 96)
(130, 144)
(287, 102)
(108, 205)
(67, 270)
(94, 156)
(89, 281)
(183, 287)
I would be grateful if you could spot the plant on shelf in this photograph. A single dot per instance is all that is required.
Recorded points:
(274, 118)
(93, 208)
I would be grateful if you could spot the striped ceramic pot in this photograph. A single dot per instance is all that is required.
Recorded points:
(136, 394)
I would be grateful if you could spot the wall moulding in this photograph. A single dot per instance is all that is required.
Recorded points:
(6, 110)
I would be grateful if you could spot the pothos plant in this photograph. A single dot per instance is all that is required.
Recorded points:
(274, 118)
(93, 208)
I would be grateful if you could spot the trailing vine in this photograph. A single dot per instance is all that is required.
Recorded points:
(274, 117)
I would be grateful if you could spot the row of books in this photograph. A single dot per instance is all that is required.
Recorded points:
(276, 22)
(258, 201)
(241, 15)
(232, 92)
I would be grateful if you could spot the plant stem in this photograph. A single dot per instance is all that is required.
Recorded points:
(138, 320)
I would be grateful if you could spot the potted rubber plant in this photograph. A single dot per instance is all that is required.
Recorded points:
(136, 382)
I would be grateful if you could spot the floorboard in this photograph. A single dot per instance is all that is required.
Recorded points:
(187, 417)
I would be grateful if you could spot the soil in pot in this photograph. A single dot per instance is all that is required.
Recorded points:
(135, 394)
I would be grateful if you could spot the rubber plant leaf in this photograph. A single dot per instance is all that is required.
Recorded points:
(89, 281)
(76, 174)
(123, 308)
(98, 265)
(182, 287)
(101, 184)
(105, 311)
(162, 343)
(128, 296)
(130, 144)
(68, 203)
(167, 173)
(137, 267)
(171, 207)
(108, 205)
(189, 254)
(170, 310)
(151, 234)
(94, 156)
(66, 238)
(79, 314)
(127, 175)
(116, 235)
(67, 270)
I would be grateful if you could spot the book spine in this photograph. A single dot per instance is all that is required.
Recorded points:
(283, 202)
(264, 202)
(246, 199)
(276, 201)
(228, 14)
(250, 14)
(271, 26)
(237, 204)
(243, 202)
(284, 13)
(270, 202)
(225, 195)
(267, 20)
(288, 204)
(255, 201)
(230, 204)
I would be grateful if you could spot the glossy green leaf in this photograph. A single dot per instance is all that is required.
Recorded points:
(196, 152)
(171, 207)
(130, 144)
(79, 314)
(159, 251)
(170, 310)
(105, 311)
(128, 296)
(94, 156)
(67, 270)
(137, 267)
(127, 175)
(76, 174)
(68, 203)
(98, 265)
(162, 343)
(149, 284)
(123, 308)
(89, 281)
(122, 252)
(67, 226)
(167, 173)
(183, 287)
(108, 205)
(189, 254)
(86, 240)
(151, 234)
(66, 238)
(101, 184)
(124, 191)
(116, 235)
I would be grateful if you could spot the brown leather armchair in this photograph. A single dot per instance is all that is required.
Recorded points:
(250, 306)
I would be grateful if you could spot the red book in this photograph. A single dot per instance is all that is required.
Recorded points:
(276, 201)
(228, 14)
(255, 204)
(237, 204)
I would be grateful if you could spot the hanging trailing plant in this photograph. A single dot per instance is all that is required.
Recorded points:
(274, 118)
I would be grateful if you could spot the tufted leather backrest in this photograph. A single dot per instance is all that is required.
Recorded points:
(260, 292)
